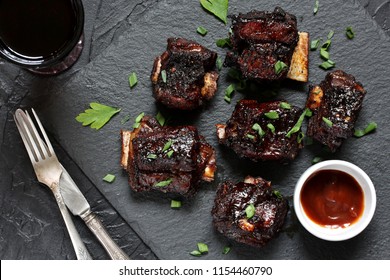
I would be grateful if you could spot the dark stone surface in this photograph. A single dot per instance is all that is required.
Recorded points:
(30, 224)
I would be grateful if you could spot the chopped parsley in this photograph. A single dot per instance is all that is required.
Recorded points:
(201, 30)
(349, 32)
(369, 128)
(109, 178)
(164, 76)
(250, 211)
(133, 79)
(273, 115)
(327, 121)
(219, 8)
(163, 183)
(97, 116)
(279, 67)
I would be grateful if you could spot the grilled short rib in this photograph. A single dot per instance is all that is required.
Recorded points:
(230, 218)
(335, 104)
(166, 158)
(243, 135)
(260, 39)
(183, 76)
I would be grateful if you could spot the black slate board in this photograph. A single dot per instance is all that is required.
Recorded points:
(172, 234)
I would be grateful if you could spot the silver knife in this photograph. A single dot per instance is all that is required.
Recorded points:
(79, 206)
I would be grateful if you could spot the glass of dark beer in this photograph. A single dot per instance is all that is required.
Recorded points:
(42, 36)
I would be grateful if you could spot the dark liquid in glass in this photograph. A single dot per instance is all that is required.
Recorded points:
(39, 33)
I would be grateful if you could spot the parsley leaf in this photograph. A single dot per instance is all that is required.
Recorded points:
(219, 8)
(97, 116)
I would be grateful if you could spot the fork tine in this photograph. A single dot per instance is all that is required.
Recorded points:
(26, 142)
(48, 143)
(37, 138)
(27, 125)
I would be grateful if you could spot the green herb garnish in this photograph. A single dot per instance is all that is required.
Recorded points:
(138, 119)
(279, 67)
(298, 124)
(273, 115)
(277, 194)
(163, 183)
(314, 44)
(202, 247)
(271, 127)
(285, 105)
(316, 6)
(349, 32)
(330, 34)
(196, 253)
(160, 118)
(250, 136)
(226, 250)
(133, 79)
(223, 43)
(219, 63)
(229, 92)
(219, 8)
(97, 116)
(327, 121)
(324, 54)
(369, 128)
(151, 156)
(167, 145)
(201, 30)
(326, 45)
(260, 131)
(164, 76)
(327, 64)
(250, 211)
(170, 153)
(109, 178)
(317, 160)
(175, 204)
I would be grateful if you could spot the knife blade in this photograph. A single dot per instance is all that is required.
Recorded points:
(79, 206)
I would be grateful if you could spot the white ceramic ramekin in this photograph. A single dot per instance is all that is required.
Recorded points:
(337, 234)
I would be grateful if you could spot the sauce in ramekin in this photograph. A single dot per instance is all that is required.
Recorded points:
(332, 199)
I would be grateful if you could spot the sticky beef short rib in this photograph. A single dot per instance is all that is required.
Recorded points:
(254, 135)
(167, 159)
(183, 76)
(230, 216)
(336, 104)
(259, 40)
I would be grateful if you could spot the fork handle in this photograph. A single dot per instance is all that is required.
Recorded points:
(96, 226)
(78, 245)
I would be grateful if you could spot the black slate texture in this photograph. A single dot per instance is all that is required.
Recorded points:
(173, 234)
(31, 231)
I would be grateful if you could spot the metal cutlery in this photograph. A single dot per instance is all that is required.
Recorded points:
(79, 206)
(48, 171)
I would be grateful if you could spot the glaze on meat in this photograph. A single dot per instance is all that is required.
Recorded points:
(190, 76)
(338, 99)
(178, 156)
(240, 132)
(259, 40)
(230, 218)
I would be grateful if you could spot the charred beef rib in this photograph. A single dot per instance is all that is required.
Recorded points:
(267, 211)
(335, 104)
(262, 131)
(183, 76)
(262, 41)
(165, 158)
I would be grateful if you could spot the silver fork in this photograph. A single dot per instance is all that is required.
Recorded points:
(48, 170)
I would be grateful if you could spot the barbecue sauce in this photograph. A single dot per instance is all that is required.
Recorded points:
(332, 198)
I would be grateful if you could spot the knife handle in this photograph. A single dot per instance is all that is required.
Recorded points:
(97, 228)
